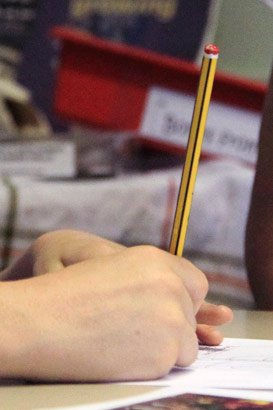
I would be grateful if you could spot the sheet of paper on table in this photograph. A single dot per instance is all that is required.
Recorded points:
(235, 364)
(240, 368)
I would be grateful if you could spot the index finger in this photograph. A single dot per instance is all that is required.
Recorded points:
(56, 250)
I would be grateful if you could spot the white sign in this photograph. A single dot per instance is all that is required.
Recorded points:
(40, 158)
(230, 132)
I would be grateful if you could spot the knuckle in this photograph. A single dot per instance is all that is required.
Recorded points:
(163, 359)
(157, 273)
(46, 238)
(199, 293)
(200, 281)
(203, 284)
(147, 251)
(41, 241)
(190, 357)
(149, 261)
(106, 248)
(188, 350)
(86, 249)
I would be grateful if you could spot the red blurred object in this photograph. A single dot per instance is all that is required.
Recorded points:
(105, 84)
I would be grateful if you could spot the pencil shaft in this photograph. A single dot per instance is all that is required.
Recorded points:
(192, 156)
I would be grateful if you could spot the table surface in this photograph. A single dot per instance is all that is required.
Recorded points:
(247, 324)
(250, 324)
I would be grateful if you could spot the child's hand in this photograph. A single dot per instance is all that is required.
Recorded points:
(56, 250)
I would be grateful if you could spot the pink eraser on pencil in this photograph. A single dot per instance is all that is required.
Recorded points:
(211, 51)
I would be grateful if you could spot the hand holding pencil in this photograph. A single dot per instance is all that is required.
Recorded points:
(208, 313)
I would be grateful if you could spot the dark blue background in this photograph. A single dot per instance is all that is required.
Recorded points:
(180, 37)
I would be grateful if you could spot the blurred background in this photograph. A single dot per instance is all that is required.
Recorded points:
(96, 98)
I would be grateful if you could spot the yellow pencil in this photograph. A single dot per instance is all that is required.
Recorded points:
(197, 130)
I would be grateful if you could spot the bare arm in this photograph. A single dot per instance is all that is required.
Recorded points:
(129, 315)
(59, 249)
(259, 232)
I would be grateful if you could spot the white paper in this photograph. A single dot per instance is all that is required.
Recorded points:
(229, 370)
(237, 354)
(216, 372)
(235, 364)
